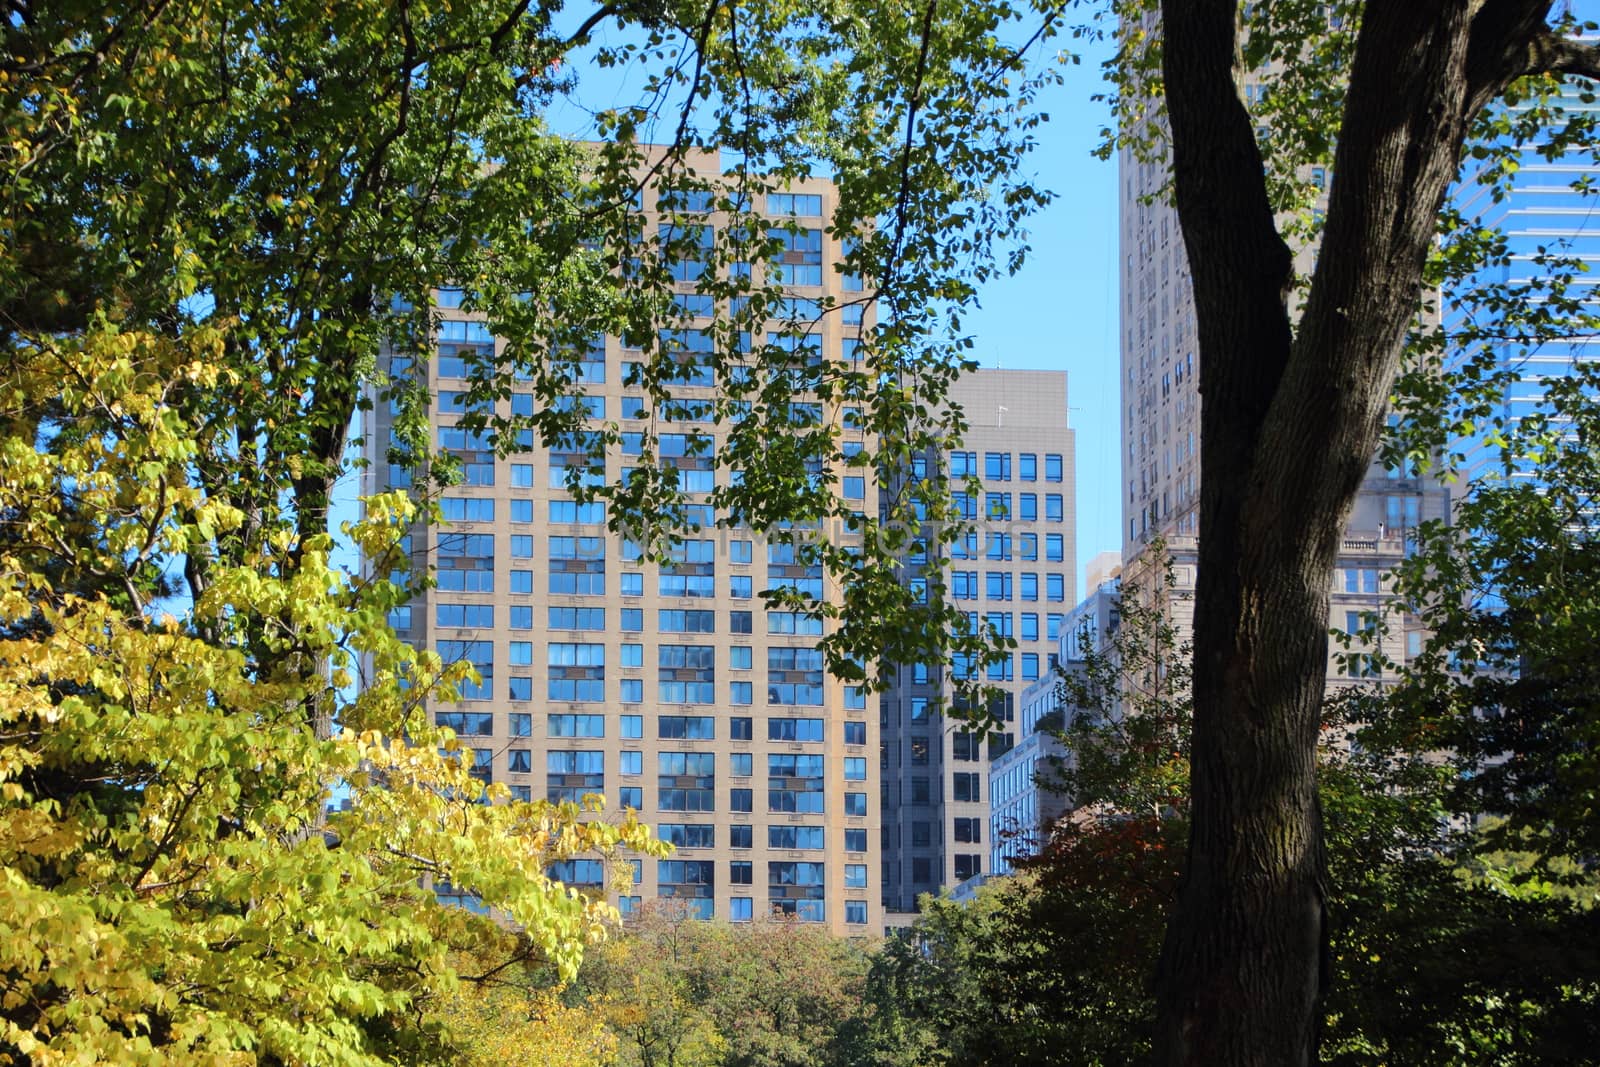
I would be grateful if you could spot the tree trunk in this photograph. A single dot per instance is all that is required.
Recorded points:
(1290, 419)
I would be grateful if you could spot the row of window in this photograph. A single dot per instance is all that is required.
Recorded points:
(1004, 585)
(997, 466)
(1000, 545)
(702, 875)
(742, 909)
(965, 786)
(668, 727)
(456, 575)
(997, 507)
(741, 836)
(964, 830)
(967, 865)
(587, 685)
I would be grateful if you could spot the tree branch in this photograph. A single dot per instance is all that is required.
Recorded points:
(914, 104)
(1551, 53)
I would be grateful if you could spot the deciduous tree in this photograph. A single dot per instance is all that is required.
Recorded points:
(1295, 383)
(174, 889)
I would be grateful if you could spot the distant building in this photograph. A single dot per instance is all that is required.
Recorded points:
(667, 689)
(1545, 211)
(1160, 355)
(1015, 574)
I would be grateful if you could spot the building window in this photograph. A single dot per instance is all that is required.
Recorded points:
(794, 204)
(965, 747)
(691, 881)
(570, 775)
(576, 725)
(688, 835)
(480, 654)
(686, 781)
(686, 674)
(467, 723)
(740, 910)
(795, 837)
(795, 730)
(799, 257)
(1052, 467)
(686, 727)
(795, 784)
(575, 618)
(796, 888)
(855, 912)
(576, 672)
(795, 676)
(1027, 466)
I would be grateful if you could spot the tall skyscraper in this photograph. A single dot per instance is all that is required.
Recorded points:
(1015, 574)
(666, 688)
(1161, 422)
(1545, 212)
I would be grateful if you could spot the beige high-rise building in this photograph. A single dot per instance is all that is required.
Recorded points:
(666, 689)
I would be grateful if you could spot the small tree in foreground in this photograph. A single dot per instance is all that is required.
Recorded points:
(173, 890)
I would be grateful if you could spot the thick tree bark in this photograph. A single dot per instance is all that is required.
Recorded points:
(1290, 419)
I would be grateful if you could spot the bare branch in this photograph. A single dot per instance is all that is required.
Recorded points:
(914, 104)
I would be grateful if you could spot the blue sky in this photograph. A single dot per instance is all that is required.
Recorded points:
(1060, 311)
